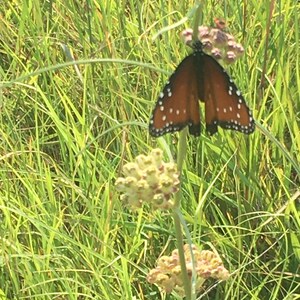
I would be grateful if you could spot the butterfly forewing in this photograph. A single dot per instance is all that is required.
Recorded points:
(177, 105)
(224, 103)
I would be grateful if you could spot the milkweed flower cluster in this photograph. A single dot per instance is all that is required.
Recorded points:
(149, 180)
(216, 43)
(167, 275)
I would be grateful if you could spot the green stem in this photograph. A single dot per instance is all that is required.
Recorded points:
(197, 19)
(179, 237)
(182, 147)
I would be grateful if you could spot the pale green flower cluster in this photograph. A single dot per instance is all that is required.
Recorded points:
(149, 180)
(167, 275)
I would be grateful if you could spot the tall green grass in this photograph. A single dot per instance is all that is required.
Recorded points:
(78, 83)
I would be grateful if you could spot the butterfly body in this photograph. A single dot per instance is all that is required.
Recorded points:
(200, 77)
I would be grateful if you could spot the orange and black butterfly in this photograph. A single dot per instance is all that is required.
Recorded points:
(200, 76)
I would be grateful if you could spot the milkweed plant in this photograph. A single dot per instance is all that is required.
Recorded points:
(150, 181)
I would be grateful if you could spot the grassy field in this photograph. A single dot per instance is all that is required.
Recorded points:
(78, 82)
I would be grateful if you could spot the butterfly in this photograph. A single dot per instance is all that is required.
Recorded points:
(200, 76)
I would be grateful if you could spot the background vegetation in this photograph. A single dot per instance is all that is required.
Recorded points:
(66, 129)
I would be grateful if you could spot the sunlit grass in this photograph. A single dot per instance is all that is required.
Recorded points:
(67, 128)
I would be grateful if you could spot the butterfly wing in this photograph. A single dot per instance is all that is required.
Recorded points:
(224, 103)
(177, 105)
